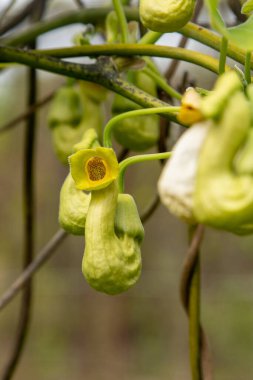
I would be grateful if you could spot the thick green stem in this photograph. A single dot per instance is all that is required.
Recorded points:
(112, 122)
(211, 39)
(190, 56)
(135, 160)
(102, 73)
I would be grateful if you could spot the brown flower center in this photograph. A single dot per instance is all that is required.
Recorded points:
(96, 168)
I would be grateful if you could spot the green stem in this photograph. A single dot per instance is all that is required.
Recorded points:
(91, 15)
(163, 84)
(247, 67)
(194, 316)
(136, 159)
(107, 140)
(94, 15)
(150, 38)
(223, 55)
(187, 55)
(102, 73)
(211, 39)
(122, 20)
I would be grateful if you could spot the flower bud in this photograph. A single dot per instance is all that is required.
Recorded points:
(166, 15)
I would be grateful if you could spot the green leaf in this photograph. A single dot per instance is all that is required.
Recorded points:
(241, 35)
(247, 7)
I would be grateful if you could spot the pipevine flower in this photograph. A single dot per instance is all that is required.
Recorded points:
(209, 178)
(93, 169)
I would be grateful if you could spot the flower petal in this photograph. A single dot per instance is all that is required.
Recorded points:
(93, 169)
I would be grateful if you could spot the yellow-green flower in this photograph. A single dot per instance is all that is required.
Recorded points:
(190, 112)
(93, 169)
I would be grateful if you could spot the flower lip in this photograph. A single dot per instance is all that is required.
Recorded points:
(93, 169)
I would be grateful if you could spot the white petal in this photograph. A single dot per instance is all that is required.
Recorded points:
(177, 182)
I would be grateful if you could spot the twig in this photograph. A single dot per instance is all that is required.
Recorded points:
(80, 4)
(123, 154)
(150, 209)
(6, 10)
(28, 196)
(17, 19)
(45, 253)
(235, 7)
(29, 214)
(13, 123)
(189, 291)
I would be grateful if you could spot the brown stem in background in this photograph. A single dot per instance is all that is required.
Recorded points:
(79, 3)
(182, 43)
(189, 291)
(150, 209)
(16, 19)
(123, 154)
(29, 111)
(45, 253)
(29, 212)
(235, 6)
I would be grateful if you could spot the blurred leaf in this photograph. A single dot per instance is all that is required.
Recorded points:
(241, 35)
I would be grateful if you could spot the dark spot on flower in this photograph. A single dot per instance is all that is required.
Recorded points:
(96, 169)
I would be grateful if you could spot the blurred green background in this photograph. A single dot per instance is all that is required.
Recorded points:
(77, 333)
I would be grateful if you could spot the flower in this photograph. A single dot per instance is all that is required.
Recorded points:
(93, 169)
(190, 112)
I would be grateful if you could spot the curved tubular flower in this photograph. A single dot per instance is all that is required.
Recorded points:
(74, 203)
(166, 15)
(223, 198)
(93, 169)
(113, 234)
(74, 206)
(209, 177)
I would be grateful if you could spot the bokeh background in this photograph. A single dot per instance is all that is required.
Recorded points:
(77, 333)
